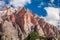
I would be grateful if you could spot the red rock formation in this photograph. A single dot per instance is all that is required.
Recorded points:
(29, 20)
(24, 22)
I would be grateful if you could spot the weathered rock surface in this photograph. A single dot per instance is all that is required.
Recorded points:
(30, 22)
(19, 26)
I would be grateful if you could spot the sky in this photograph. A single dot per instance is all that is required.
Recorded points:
(47, 9)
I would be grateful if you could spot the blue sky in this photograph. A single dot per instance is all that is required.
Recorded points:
(40, 10)
(36, 7)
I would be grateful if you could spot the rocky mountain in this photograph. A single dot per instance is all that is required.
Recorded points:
(19, 25)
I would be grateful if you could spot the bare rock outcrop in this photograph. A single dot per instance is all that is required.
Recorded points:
(31, 22)
(19, 25)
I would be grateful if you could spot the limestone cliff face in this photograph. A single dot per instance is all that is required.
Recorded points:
(23, 22)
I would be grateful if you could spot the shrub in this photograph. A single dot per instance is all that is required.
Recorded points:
(34, 36)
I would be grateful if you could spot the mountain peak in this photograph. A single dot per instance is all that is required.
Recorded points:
(24, 22)
(31, 20)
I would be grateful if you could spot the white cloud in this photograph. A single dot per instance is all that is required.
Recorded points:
(2, 3)
(19, 3)
(51, 1)
(52, 15)
(41, 4)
